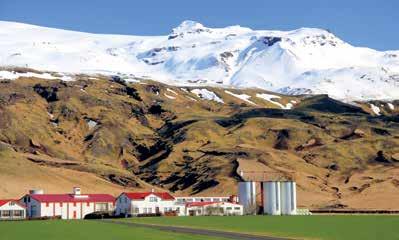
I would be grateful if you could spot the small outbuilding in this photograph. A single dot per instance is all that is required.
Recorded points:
(12, 210)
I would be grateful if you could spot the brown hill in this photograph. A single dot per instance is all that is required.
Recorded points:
(106, 135)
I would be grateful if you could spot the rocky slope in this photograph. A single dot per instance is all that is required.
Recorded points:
(102, 132)
(305, 60)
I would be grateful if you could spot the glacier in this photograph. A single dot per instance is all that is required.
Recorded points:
(301, 61)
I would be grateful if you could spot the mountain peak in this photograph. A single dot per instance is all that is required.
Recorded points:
(188, 26)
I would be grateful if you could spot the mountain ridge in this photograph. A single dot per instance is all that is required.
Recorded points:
(301, 61)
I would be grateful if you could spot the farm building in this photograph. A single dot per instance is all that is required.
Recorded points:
(66, 206)
(213, 209)
(147, 203)
(12, 210)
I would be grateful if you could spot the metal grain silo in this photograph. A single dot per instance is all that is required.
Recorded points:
(288, 198)
(271, 198)
(247, 196)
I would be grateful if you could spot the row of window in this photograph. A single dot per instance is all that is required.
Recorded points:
(99, 206)
(11, 213)
(151, 210)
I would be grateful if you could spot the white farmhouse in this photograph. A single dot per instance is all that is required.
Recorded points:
(12, 210)
(136, 203)
(66, 206)
(213, 209)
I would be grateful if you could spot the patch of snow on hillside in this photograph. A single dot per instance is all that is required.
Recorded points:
(207, 95)
(170, 90)
(391, 106)
(375, 109)
(270, 97)
(92, 124)
(11, 75)
(168, 96)
(243, 97)
(131, 80)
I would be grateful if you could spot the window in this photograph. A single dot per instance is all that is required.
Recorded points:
(237, 208)
(149, 210)
(18, 213)
(101, 207)
(136, 210)
(178, 209)
(153, 199)
(229, 208)
(12, 203)
(6, 213)
(216, 200)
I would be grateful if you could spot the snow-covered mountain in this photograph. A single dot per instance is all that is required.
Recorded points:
(305, 60)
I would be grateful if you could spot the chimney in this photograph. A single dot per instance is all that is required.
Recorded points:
(76, 191)
(36, 191)
(152, 190)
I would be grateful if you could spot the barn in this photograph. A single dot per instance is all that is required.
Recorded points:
(66, 206)
(12, 210)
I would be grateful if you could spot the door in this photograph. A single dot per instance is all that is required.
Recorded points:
(74, 214)
(157, 210)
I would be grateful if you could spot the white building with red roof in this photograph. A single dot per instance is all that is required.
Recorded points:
(67, 206)
(213, 209)
(136, 203)
(11, 209)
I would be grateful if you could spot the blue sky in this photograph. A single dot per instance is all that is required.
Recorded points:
(363, 23)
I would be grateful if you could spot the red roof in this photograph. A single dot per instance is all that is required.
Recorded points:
(72, 198)
(5, 201)
(142, 195)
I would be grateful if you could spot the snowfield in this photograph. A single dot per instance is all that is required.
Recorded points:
(302, 61)
(207, 95)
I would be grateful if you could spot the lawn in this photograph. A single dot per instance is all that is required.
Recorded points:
(83, 230)
(349, 227)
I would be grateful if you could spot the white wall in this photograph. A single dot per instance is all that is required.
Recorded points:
(228, 209)
(12, 206)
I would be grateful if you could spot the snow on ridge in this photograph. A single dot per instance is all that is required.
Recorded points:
(168, 96)
(391, 106)
(170, 90)
(243, 97)
(375, 109)
(207, 95)
(270, 97)
(11, 75)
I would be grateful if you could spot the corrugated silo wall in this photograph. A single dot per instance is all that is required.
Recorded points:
(247, 196)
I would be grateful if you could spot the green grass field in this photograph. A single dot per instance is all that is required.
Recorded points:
(83, 230)
(351, 227)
